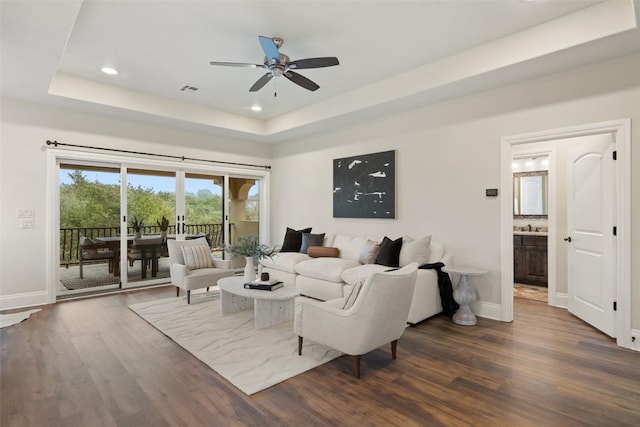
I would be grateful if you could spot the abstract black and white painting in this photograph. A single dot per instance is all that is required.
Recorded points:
(365, 186)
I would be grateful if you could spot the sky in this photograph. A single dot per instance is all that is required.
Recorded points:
(157, 183)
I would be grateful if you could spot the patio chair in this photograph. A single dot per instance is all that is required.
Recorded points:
(141, 244)
(92, 250)
(378, 315)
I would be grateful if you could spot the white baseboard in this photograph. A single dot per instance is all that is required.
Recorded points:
(562, 300)
(28, 299)
(488, 310)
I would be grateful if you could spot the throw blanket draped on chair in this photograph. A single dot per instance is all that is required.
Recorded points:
(449, 305)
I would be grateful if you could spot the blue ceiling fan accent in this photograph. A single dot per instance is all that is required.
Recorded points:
(270, 49)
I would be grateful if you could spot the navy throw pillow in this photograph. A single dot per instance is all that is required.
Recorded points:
(309, 239)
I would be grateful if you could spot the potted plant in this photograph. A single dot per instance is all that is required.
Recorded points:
(164, 226)
(137, 225)
(253, 251)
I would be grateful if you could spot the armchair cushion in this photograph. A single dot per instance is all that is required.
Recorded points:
(197, 257)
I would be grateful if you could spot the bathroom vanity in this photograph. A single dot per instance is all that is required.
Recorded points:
(530, 258)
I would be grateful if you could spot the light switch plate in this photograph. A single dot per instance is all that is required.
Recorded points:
(24, 213)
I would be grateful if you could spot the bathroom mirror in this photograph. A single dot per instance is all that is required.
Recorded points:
(530, 193)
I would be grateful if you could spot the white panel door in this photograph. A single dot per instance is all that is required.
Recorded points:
(591, 245)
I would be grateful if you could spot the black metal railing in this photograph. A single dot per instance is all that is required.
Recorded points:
(70, 237)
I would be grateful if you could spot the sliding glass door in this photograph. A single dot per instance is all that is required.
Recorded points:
(151, 213)
(115, 219)
(204, 209)
(89, 218)
(243, 200)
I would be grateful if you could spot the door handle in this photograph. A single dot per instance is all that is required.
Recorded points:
(567, 239)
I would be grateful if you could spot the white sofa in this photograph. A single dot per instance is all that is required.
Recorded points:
(328, 278)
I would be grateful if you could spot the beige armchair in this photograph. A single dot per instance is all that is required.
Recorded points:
(378, 315)
(199, 270)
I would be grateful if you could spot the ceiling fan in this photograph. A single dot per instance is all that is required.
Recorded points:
(278, 64)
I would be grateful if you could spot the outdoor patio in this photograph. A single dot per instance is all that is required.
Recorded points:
(97, 275)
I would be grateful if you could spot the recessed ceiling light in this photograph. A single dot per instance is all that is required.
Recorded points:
(109, 70)
(256, 108)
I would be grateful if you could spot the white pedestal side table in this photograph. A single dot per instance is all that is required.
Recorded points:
(464, 293)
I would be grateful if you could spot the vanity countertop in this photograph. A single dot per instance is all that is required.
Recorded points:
(531, 233)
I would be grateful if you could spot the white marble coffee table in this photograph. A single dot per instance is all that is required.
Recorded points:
(269, 307)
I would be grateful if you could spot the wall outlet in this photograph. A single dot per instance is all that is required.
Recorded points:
(27, 223)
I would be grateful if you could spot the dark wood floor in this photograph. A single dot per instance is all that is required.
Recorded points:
(94, 362)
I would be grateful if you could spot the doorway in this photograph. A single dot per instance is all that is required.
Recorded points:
(530, 169)
(620, 132)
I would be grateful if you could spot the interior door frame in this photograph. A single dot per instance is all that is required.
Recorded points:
(57, 155)
(621, 131)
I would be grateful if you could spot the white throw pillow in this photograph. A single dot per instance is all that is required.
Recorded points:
(196, 257)
(369, 252)
(414, 250)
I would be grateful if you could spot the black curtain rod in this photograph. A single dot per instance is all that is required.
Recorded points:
(166, 156)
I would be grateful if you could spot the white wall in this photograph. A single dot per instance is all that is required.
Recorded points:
(25, 128)
(448, 154)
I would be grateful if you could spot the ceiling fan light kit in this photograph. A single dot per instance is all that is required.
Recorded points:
(278, 64)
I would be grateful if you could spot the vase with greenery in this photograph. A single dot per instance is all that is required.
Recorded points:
(137, 225)
(253, 251)
(163, 224)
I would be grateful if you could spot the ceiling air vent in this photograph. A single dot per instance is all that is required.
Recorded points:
(187, 87)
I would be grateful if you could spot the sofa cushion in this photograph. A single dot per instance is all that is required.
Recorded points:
(309, 239)
(389, 252)
(369, 252)
(414, 250)
(293, 239)
(323, 251)
(350, 246)
(329, 269)
(284, 261)
(361, 272)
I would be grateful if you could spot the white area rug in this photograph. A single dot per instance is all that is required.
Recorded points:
(250, 359)
(13, 318)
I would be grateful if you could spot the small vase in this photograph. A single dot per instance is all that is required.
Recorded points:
(249, 270)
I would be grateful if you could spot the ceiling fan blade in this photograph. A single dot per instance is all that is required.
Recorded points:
(270, 49)
(259, 84)
(301, 80)
(328, 61)
(237, 64)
